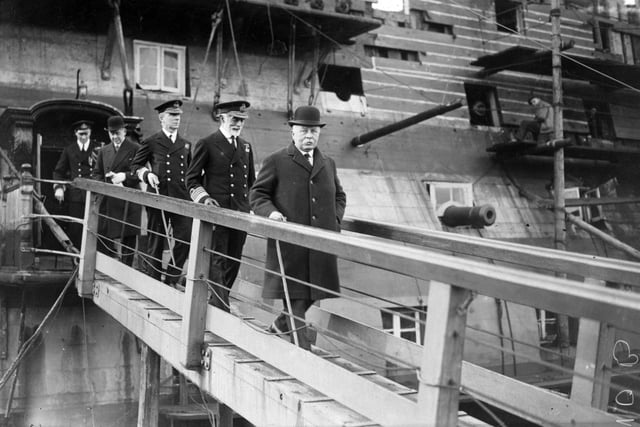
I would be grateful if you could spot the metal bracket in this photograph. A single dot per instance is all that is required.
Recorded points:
(206, 359)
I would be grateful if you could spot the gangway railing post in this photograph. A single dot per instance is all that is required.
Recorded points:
(441, 367)
(87, 267)
(25, 257)
(592, 378)
(194, 307)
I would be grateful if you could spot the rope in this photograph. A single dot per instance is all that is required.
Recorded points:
(243, 89)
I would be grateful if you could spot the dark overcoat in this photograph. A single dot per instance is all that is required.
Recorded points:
(168, 160)
(228, 173)
(304, 195)
(118, 209)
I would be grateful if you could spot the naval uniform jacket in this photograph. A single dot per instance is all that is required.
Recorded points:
(168, 160)
(228, 173)
(304, 195)
(73, 164)
(111, 161)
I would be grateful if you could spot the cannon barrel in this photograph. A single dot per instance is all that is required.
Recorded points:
(475, 216)
(385, 130)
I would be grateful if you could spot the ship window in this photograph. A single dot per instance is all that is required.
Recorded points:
(387, 52)
(482, 102)
(588, 213)
(160, 66)
(420, 20)
(389, 5)
(445, 194)
(409, 329)
(343, 81)
(508, 15)
(602, 36)
(599, 119)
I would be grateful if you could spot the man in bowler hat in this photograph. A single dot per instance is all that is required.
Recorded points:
(220, 174)
(161, 162)
(114, 166)
(76, 161)
(300, 184)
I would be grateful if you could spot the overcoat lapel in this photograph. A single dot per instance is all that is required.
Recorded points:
(318, 163)
(297, 157)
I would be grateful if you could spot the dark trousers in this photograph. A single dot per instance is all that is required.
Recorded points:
(528, 126)
(223, 270)
(299, 309)
(156, 239)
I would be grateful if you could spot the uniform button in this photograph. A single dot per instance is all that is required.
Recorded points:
(245, 196)
(168, 171)
(182, 164)
(245, 175)
(168, 179)
(168, 163)
(231, 175)
(232, 194)
(244, 185)
(181, 172)
(313, 199)
(167, 155)
(181, 156)
(181, 179)
(232, 185)
(245, 166)
(313, 217)
(311, 182)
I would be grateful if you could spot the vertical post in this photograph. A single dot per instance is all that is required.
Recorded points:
(226, 416)
(195, 298)
(593, 359)
(25, 257)
(558, 159)
(149, 387)
(87, 268)
(441, 366)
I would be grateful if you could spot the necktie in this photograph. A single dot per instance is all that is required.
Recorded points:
(116, 147)
(309, 158)
(233, 142)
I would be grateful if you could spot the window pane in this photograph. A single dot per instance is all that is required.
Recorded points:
(443, 195)
(148, 66)
(387, 321)
(411, 336)
(458, 195)
(406, 323)
(170, 70)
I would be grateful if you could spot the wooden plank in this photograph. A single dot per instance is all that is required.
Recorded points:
(195, 298)
(549, 259)
(521, 399)
(593, 360)
(439, 379)
(149, 387)
(557, 294)
(246, 387)
(87, 267)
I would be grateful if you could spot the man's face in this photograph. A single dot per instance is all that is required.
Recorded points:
(305, 137)
(170, 122)
(83, 135)
(117, 136)
(535, 101)
(231, 124)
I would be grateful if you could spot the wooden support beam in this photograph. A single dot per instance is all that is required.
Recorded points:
(441, 365)
(87, 268)
(524, 400)
(195, 298)
(149, 387)
(226, 416)
(593, 360)
(25, 209)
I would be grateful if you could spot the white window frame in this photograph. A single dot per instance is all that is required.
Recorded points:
(440, 206)
(573, 193)
(593, 213)
(396, 330)
(160, 48)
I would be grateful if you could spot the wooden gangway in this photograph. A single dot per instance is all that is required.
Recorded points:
(269, 381)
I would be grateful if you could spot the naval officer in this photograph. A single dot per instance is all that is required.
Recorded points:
(161, 162)
(221, 173)
(76, 161)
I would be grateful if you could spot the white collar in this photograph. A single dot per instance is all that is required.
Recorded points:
(171, 136)
(228, 136)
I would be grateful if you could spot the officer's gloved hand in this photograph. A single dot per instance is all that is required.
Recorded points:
(59, 194)
(277, 216)
(153, 180)
(210, 201)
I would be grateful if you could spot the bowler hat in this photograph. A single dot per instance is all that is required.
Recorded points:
(306, 116)
(81, 125)
(171, 107)
(233, 108)
(115, 123)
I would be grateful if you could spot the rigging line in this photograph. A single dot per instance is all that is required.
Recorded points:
(361, 60)
(485, 408)
(26, 346)
(235, 48)
(216, 18)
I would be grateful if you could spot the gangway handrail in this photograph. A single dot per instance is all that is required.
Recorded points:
(616, 307)
(579, 264)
